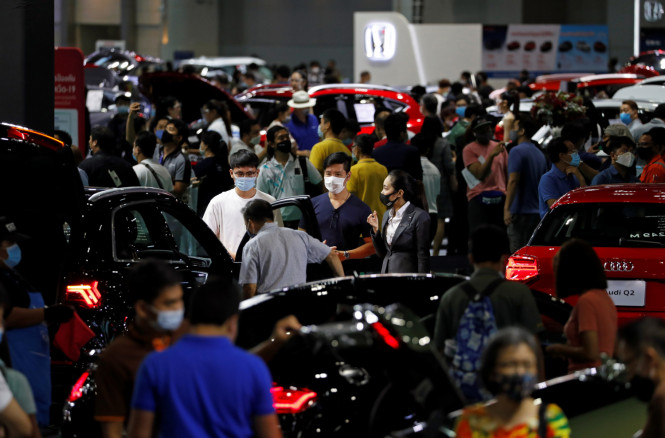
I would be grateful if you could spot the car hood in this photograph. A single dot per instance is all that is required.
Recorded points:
(192, 91)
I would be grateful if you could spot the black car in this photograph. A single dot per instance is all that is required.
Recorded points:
(347, 374)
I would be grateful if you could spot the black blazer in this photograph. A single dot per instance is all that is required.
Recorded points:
(409, 251)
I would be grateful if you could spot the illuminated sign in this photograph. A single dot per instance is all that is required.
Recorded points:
(380, 41)
(653, 11)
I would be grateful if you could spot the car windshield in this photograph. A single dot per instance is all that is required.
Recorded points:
(604, 225)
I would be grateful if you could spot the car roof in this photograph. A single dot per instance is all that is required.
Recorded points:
(613, 193)
(97, 194)
(222, 61)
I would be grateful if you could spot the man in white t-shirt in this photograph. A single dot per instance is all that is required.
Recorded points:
(223, 215)
(150, 174)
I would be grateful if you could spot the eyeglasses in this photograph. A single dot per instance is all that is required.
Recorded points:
(245, 174)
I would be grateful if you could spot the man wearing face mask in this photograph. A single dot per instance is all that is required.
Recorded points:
(330, 129)
(342, 216)
(277, 257)
(303, 125)
(641, 347)
(223, 214)
(159, 310)
(621, 152)
(149, 173)
(563, 177)
(649, 151)
(250, 137)
(283, 175)
(170, 156)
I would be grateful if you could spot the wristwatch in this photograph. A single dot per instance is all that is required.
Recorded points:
(347, 255)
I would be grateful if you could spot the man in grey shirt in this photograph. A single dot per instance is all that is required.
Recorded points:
(277, 257)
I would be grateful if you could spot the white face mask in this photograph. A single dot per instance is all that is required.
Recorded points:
(334, 184)
(626, 159)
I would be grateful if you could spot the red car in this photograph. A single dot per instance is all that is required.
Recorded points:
(607, 84)
(357, 101)
(625, 223)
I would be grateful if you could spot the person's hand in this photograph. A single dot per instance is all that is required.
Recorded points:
(507, 217)
(572, 170)
(555, 350)
(285, 328)
(134, 108)
(594, 149)
(58, 313)
(373, 221)
(498, 149)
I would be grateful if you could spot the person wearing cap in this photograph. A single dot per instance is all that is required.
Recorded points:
(622, 156)
(330, 128)
(658, 121)
(649, 151)
(25, 322)
(304, 126)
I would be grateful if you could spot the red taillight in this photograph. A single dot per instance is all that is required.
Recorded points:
(85, 294)
(385, 335)
(522, 268)
(77, 389)
(292, 400)
(18, 133)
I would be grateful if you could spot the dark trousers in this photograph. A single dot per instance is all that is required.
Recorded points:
(485, 214)
(521, 228)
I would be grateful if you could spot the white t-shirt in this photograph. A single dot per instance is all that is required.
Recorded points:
(219, 126)
(432, 183)
(147, 179)
(224, 217)
(5, 394)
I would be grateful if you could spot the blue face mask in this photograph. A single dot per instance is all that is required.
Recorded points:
(625, 118)
(135, 159)
(123, 109)
(574, 159)
(347, 141)
(169, 320)
(319, 132)
(13, 256)
(354, 158)
(460, 110)
(246, 183)
(158, 133)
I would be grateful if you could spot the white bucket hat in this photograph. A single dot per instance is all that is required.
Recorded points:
(301, 100)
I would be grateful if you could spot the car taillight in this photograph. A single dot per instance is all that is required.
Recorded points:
(385, 335)
(19, 133)
(77, 390)
(84, 294)
(522, 268)
(292, 400)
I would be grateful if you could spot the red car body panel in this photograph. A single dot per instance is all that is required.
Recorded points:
(648, 263)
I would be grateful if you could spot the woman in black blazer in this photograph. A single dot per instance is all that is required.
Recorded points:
(404, 239)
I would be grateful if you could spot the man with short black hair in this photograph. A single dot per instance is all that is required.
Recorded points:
(512, 302)
(277, 257)
(395, 154)
(225, 391)
(223, 214)
(105, 168)
(629, 114)
(159, 309)
(621, 151)
(149, 173)
(563, 177)
(330, 128)
(170, 156)
(380, 117)
(649, 151)
(250, 137)
(367, 175)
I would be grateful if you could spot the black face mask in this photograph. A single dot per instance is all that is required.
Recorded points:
(284, 146)
(167, 137)
(642, 387)
(645, 154)
(483, 138)
(385, 199)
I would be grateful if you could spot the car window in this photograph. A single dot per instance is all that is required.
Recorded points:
(335, 101)
(185, 241)
(139, 233)
(604, 225)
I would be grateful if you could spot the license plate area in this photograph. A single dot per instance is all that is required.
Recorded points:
(627, 293)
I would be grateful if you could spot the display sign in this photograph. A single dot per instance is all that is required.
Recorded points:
(380, 41)
(544, 49)
(70, 93)
(631, 293)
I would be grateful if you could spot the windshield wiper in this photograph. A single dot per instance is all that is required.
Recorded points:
(623, 241)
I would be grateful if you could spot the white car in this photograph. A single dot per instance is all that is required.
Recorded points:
(210, 67)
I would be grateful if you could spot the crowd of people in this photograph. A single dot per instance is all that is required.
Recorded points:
(388, 194)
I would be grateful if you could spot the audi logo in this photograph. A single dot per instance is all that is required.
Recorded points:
(618, 266)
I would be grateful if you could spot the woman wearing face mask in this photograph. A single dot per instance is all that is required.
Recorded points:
(622, 170)
(403, 241)
(486, 167)
(509, 370)
(592, 327)
(213, 171)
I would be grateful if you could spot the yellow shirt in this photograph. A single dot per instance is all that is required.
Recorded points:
(321, 150)
(366, 182)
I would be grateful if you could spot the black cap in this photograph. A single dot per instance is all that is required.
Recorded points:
(8, 230)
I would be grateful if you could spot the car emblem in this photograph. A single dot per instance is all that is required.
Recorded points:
(653, 11)
(380, 41)
(618, 266)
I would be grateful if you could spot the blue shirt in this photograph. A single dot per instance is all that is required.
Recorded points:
(553, 185)
(612, 176)
(342, 227)
(203, 386)
(527, 160)
(306, 134)
(402, 156)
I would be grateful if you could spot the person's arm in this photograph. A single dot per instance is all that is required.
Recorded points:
(141, 424)
(588, 172)
(130, 134)
(16, 420)
(335, 264)
(267, 426)
(364, 250)
(284, 330)
(112, 429)
(481, 171)
(377, 239)
(575, 171)
(179, 188)
(511, 190)
(20, 317)
(587, 352)
(35, 426)
(248, 290)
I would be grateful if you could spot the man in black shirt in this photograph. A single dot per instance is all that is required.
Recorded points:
(105, 169)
